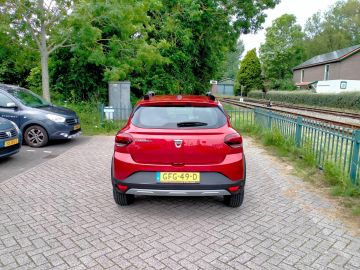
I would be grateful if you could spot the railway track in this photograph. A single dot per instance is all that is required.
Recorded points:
(309, 109)
(251, 105)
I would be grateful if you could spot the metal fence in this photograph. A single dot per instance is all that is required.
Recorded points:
(328, 143)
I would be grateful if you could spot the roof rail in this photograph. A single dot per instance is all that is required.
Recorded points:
(211, 96)
(148, 95)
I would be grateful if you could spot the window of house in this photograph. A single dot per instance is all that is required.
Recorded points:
(327, 72)
(302, 75)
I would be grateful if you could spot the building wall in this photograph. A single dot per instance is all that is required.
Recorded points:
(297, 76)
(225, 90)
(348, 69)
(317, 73)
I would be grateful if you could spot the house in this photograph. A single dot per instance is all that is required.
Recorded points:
(343, 64)
(224, 87)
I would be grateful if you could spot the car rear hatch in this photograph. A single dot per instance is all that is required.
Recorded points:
(176, 147)
(178, 135)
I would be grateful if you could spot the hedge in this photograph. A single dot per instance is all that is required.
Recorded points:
(343, 101)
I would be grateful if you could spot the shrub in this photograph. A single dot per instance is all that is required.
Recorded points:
(343, 101)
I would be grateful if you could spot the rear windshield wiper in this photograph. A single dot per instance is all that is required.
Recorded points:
(191, 124)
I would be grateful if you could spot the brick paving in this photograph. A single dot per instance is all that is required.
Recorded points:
(61, 215)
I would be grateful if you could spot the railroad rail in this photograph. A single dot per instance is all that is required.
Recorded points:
(251, 105)
(297, 107)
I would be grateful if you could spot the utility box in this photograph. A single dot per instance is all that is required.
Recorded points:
(119, 99)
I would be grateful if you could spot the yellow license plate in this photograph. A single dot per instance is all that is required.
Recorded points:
(76, 127)
(178, 177)
(11, 142)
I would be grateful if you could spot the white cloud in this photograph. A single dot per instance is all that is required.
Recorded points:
(302, 9)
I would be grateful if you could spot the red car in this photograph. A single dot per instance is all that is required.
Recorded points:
(178, 146)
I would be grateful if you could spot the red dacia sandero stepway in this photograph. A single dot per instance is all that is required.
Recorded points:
(178, 146)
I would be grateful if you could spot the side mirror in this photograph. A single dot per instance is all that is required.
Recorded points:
(11, 105)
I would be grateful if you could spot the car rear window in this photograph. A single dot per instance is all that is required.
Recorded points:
(178, 117)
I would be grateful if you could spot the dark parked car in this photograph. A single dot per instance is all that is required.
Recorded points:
(39, 120)
(10, 138)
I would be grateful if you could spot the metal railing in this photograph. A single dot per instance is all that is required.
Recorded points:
(328, 143)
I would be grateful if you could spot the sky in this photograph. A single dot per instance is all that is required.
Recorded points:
(302, 9)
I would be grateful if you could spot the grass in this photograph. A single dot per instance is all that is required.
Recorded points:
(90, 119)
(304, 162)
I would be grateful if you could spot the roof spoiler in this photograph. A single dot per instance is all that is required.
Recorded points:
(211, 96)
(148, 95)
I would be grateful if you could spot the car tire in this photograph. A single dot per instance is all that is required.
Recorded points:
(36, 136)
(123, 199)
(234, 200)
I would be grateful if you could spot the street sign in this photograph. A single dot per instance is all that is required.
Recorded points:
(213, 82)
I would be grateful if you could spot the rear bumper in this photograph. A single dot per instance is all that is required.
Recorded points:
(232, 167)
(211, 184)
(160, 192)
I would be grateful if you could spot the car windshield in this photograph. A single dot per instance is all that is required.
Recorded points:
(28, 98)
(174, 117)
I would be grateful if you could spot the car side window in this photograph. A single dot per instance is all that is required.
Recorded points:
(4, 100)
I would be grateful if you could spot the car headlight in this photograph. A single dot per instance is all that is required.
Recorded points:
(55, 118)
(15, 126)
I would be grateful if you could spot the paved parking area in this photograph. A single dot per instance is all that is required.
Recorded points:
(29, 157)
(61, 215)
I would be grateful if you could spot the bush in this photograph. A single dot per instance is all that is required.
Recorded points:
(343, 101)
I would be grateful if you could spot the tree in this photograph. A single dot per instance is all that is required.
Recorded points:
(333, 30)
(42, 21)
(283, 48)
(164, 45)
(16, 59)
(109, 42)
(249, 76)
(232, 61)
(200, 33)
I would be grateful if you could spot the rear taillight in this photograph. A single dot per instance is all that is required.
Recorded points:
(123, 139)
(234, 189)
(234, 140)
(122, 188)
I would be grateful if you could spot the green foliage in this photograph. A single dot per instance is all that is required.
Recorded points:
(34, 80)
(282, 50)
(280, 84)
(199, 37)
(333, 30)
(167, 46)
(16, 59)
(343, 101)
(232, 61)
(249, 75)
(340, 181)
(90, 118)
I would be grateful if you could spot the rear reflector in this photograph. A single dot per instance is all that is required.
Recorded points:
(123, 139)
(234, 140)
(122, 187)
(234, 189)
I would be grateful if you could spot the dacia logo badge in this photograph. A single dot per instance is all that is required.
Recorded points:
(178, 143)
(8, 133)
